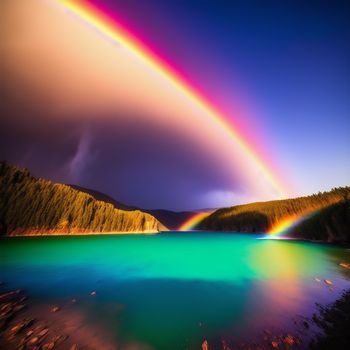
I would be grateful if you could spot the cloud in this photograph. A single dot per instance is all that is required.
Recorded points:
(226, 198)
(83, 156)
(78, 109)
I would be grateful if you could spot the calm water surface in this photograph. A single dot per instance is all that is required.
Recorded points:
(173, 290)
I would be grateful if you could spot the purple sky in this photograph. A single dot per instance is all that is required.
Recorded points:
(285, 64)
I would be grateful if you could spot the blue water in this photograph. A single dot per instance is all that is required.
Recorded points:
(173, 290)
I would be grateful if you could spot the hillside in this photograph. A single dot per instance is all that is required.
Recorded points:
(260, 216)
(171, 219)
(331, 224)
(105, 198)
(35, 206)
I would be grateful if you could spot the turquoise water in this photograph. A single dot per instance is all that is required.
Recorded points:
(173, 290)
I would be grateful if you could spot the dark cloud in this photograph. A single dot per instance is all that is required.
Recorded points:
(135, 161)
(76, 110)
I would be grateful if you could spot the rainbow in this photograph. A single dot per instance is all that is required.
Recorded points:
(193, 221)
(116, 33)
(282, 227)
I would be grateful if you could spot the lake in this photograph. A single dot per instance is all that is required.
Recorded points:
(176, 289)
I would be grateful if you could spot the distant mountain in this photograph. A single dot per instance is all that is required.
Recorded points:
(104, 197)
(259, 217)
(171, 219)
(35, 206)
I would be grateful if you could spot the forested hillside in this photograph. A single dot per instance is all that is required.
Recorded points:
(331, 224)
(32, 206)
(171, 219)
(260, 216)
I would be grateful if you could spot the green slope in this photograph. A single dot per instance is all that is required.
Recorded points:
(32, 206)
(331, 224)
(260, 216)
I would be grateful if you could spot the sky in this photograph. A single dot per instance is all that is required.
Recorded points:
(191, 104)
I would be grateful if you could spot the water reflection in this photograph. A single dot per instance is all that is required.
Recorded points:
(172, 291)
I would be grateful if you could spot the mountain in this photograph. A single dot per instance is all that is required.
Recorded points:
(35, 206)
(260, 216)
(171, 219)
(104, 198)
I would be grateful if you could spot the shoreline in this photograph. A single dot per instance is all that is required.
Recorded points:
(334, 321)
(49, 326)
(25, 324)
(81, 234)
(155, 232)
(344, 244)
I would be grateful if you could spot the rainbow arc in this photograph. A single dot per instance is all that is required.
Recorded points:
(281, 228)
(193, 221)
(115, 32)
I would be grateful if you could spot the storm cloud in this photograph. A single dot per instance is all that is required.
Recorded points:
(77, 109)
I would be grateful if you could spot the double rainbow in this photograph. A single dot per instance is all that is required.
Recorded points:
(114, 32)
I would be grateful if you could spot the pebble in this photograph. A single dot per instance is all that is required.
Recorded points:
(18, 307)
(43, 332)
(10, 296)
(275, 344)
(33, 340)
(21, 325)
(48, 346)
(289, 340)
(58, 339)
(55, 309)
(6, 308)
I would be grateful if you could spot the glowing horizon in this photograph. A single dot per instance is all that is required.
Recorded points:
(120, 35)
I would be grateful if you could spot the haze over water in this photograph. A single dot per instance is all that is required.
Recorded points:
(173, 290)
